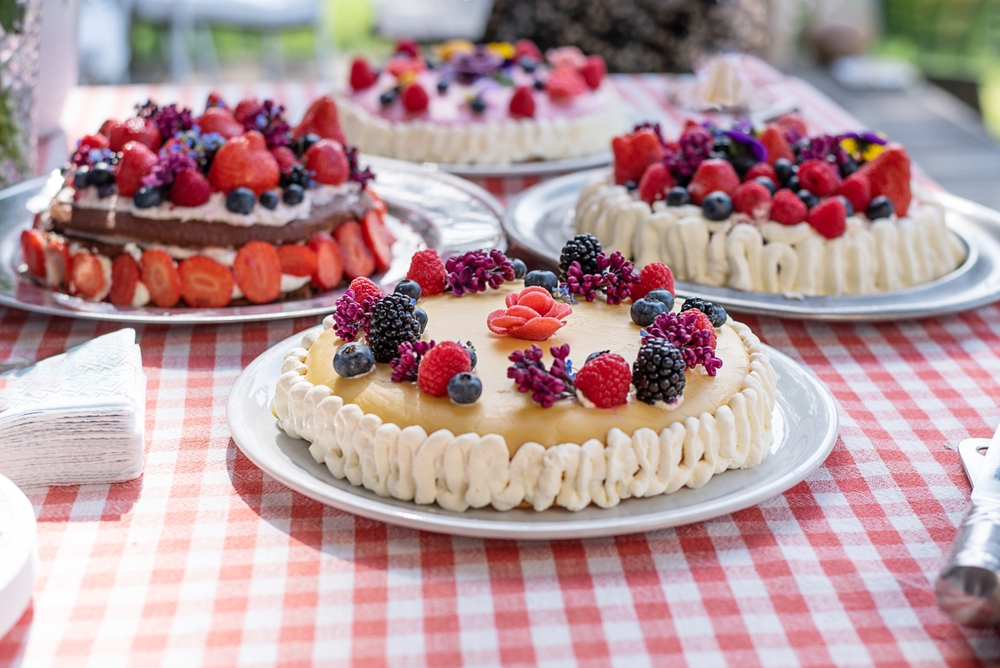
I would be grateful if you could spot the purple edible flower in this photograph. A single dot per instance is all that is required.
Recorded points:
(170, 163)
(471, 66)
(356, 175)
(169, 120)
(655, 127)
(619, 278)
(92, 157)
(546, 386)
(477, 270)
(407, 365)
(695, 344)
(694, 147)
(269, 120)
(351, 317)
(579, 283)
(758, 150)
(866, 136)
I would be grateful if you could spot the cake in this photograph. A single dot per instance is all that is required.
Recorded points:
(770, 209)
(485, 417)
(492, 103)
(233, 206)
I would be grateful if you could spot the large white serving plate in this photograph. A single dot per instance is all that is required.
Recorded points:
(541, 220)
(804, 424)
(427, 209)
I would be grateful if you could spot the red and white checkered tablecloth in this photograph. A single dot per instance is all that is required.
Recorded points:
(207, 561)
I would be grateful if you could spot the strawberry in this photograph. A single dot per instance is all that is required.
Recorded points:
(414, 98)
(753, 199)
(220, 120)
(258, 272)
(829, 218)
(819, 177)
(86, 276)
(889, 175)
(106, 128)
(605, 380)
(439, 365)
(134, 129)
(159, 273)
(59, 260)
(655, 183)
(372, 229)
(713, 174)
(214, 99)
(91, 142)
(244, 162)
(773, 139)
(593, 71)
(329, 261)
(761, 169)
(362, 74)
(297, 260)
(246, 108)
(190, 188)
(286, 158)
(633, 153)
(321, 119)
(409, 47)
(124, 278)
(857, 190)
(205, 283)
(136, 162)
(522, 103)
(787, 208)
(654, 276)
(358, 260)
(327, 160)
(791, 123)
(564, 83)
(427, 269)
(403, 66)
(702, 321)
(33, 251)
(364, 288)
(525, 48)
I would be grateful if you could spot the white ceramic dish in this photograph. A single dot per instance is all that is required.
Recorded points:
(18, 554)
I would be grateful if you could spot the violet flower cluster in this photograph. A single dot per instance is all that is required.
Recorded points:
(269, 120)
(201, 147)
(822, 146)
(695, 344)
(169, 120)
(477, 270)
(356, 175)
(170, 163)
(616, 277)
(82, 158)
(350, 317)
(693, 149)
(407, 365)
(547, 386)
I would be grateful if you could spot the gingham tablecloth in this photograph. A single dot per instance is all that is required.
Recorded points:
(205, 560)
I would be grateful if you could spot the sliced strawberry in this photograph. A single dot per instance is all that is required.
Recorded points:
(59, 257)
(159, 273)
(321, 119)
(124, 278)
(258, 272)
(635, 152)
(33, 251)
(136, 162)
(378, 204)
(297, 260)
(371, 228)
(329, 261)
(358, 260)
(205, 283)
(86, 276)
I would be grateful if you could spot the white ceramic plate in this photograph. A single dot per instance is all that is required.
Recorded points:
(427, 209)
(541, 220)
(18, 554)
(805, 429)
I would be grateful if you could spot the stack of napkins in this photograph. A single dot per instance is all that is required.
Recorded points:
(76, 418)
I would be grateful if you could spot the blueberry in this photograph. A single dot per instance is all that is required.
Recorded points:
(293, 194)
(146, 197)
(528, 64)
(82, 178)
(880, 207)
(520, 269)
(631, 185)
(478, 104)
(545, 279)
(409, 288)
(717, 205)
(539, 84)
(387, 98)
(353, 360)
(102, 175)
(783, 168)
(743, 163)
(722, 144)
(471, 349)
(465, 388)
(304, 143)
(644, 311)
(847, 205)
(848, 167)
(421, 316)
(678, 196)
(442, 85)
(106, 190)
(269, 200)
(594, 356)
(662, 296)
(241, 200)
(807, 198)
(793, 183)
(767, 183)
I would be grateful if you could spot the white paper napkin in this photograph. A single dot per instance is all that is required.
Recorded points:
(76, 418)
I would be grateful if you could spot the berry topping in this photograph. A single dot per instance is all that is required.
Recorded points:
(328, 161)
(604, 381)
(542, 279)
(392, 323)
(665, 297)
(375, 235)
(658, 373)
(362, 74)
(134, 129)
(655, 183)
(678, 196)
(440, 364)
(287, 159)
(704, 324)
(205, 283)
(767, 183)
(297, 260)
(785, 170)
(809, 199)
(136, 162)
(879, 207)
(33, 251)
(714, 174)
(615, 277)
(159, 274)
(269, 200)
(86, 276)
(244, 162)
(644, 311)
(787, 208)
(124, 279)
(321, 119)
(146, 197)
(819, 177)
(547, 386)
(409, 288)
(520, 269)
(353, 359)
(583, 248)
(717, 205)
(421, 316)
(525, 48)
(414, 97)
(258, 272)
(476, 270)
(241, 201)
(654, 276)
(293, 194)
(408, 47)
(364, 288)
(889, 175)
(477, 104)
(829, 218)
(351, 316)
(773, 139)
(358, 260)
(716, 313)
(406, 366)
(101, 174)
(329, 261)
(302, 144)
(761, 169)
(221, 121)
(191, 188)
(465, 388)
(856, 190)
(531, 314)
(388, 97)
(753, 199)
(522, 103)
(692, 333)
(593, 71)
(634, 152)
(427, 270)
(564, 83)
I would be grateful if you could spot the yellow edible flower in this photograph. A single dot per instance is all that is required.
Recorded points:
(445, 50)
(406, 77)
(505, 50)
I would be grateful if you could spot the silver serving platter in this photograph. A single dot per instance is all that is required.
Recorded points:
(427, 209)
(540, 168)
(540, 220)
(804, 427)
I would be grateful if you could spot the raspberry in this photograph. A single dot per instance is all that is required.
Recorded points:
(857, 190)
(593, 71)
(362, 75)
(753, 199)
(522, 103)
(761, 169)
(819, 177)
(787, 208)
(364, 288)
(414, 98)
(829, 218)
(605, 381)
(427, 269)
(655, 183)
(703, 322)
(654, 276)
(713, 174)
(439, 365)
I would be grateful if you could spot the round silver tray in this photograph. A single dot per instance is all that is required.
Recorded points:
(541, 221)
(804, 427)
(427, 209)
(525, 169)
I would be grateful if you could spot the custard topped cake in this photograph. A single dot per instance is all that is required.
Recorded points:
(443, 392)
(496, 103)
(770, 209)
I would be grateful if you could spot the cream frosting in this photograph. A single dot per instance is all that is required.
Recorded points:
(887, 254)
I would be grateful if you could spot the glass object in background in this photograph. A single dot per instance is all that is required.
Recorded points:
(20, 26)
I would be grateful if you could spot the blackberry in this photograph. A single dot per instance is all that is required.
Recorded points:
(583, 248)
(658, 372)
(393, 322)
(297, 175)
(716, 314)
